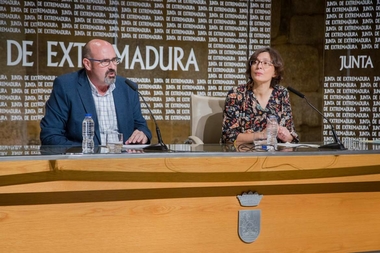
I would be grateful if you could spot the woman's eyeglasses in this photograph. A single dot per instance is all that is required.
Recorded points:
(264, 64)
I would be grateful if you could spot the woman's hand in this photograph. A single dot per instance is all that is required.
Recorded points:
(284, 134)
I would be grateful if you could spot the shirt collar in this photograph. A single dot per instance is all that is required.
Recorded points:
(95, 91)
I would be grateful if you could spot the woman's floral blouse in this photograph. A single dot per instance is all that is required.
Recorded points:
(243, 113)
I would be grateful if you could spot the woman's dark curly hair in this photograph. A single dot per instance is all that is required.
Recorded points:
(277, 63)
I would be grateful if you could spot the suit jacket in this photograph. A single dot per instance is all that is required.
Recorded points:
(71, 99)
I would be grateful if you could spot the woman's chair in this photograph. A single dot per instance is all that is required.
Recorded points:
(206, 119)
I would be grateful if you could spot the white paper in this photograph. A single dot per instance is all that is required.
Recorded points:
(134, 146)
(370, 141)
(297, 145)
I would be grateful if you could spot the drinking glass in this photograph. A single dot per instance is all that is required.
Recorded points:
(114, 142)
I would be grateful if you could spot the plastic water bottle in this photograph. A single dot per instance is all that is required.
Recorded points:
(88, 132)
(272, 129)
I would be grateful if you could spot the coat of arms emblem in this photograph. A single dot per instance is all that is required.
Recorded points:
(249, 220)
(249, 225)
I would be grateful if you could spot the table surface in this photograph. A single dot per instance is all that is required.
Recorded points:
(37, 152)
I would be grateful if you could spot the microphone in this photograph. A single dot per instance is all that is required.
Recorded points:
(155, 147)
(337, 144)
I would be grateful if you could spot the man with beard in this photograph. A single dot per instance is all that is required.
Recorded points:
(95, 89)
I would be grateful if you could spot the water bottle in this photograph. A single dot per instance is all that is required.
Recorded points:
(88, 132)
(272, 129)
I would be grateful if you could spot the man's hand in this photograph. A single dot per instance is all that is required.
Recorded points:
(137, 137)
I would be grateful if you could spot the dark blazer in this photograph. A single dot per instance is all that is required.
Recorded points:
(71, 99)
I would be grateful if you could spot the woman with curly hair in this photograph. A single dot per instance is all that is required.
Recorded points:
(248, 106)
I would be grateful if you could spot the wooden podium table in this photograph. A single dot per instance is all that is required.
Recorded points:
(186, 201)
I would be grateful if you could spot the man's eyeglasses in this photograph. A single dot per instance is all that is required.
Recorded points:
(264, 64)
(107, 62)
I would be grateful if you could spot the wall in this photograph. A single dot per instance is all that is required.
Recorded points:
(298, 34)
(297, 31)
(202, 47)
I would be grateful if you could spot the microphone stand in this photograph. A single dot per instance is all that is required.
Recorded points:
(337, 144)
(160, 146)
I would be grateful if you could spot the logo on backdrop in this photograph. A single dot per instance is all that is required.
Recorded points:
(61, 54)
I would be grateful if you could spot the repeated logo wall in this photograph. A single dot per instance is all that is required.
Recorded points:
(171, 48)
(351, 72)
